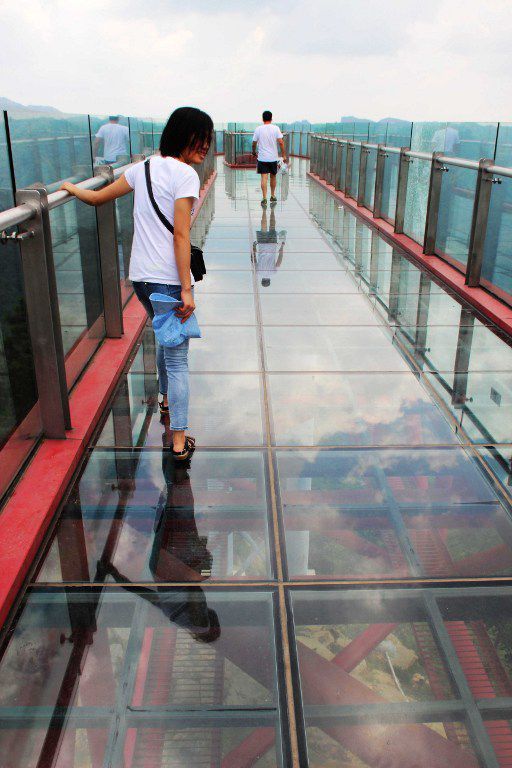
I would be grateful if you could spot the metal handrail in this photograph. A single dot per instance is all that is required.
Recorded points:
(458, 162)
(21, 213)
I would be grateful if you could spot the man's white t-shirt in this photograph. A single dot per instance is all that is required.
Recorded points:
(152, 258)
(267, 135)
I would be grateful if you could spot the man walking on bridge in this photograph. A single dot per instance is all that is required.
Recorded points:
(266, 138)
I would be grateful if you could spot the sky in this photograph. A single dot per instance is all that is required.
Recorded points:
(314, 59)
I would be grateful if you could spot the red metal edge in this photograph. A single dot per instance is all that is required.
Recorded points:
(31, 507)
(491, 307)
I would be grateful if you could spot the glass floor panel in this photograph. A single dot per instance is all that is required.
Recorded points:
(392, 513)
(331, 348)
(317, 309)
(138, 515)
(354, 409)
(327, 581)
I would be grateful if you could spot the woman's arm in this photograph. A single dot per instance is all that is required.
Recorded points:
(182, 216)
(91, 197)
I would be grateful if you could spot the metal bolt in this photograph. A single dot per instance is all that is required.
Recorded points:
(18, 236)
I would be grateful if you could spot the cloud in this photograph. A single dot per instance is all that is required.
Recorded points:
(317, 60)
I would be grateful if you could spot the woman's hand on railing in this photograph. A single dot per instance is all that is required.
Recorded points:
(68, 187)
(188, 307)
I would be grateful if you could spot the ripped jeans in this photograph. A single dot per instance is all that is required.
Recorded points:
(172, 362)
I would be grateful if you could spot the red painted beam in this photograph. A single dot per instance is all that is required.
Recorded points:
(359, 648)
(490, 306)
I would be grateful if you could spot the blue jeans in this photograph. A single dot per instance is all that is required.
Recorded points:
(172, 362)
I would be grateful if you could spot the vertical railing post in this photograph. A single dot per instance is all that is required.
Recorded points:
(324, 159)
(401, 189)
(379, 181)
(43, 314)
(483, 191)
(109, 261)
(361, 184)
(348, 168)
(339, 160)
(332, 162)
(437, 168)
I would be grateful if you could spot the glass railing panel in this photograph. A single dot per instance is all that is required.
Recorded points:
(77, 270)
(110, 140)
(20, 424)
(158, 127)
(141, 136)
(398, 133)
(389, 187)
(468, 140)
(496, 268)
(369, 187)
(417, 197)
(48, 150)
(219, 141)
(124, 226)
(455, 214)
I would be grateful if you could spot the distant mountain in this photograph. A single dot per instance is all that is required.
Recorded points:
(352, 119)
(15, 108)
(394, 120)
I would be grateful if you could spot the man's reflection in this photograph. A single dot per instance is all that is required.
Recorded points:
(115, 139)
(178, 554)
(268, 248)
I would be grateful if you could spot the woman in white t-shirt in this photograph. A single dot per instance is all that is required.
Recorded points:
(160, 262)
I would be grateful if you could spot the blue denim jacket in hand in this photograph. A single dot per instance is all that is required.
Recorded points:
(169, 330)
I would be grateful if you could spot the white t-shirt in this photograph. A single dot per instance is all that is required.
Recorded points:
(152, 259)
(267, 135)
(116, 140)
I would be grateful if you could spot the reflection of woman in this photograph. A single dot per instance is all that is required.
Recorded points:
(178, 554)
(160, 262)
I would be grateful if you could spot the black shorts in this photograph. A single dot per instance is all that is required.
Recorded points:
(264, 167)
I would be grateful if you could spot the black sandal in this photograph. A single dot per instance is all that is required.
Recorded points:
(190, 445)
(164, 409)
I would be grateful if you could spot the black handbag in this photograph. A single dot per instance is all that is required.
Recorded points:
(197, 265)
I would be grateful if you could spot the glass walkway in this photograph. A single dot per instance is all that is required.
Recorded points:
(325, 583)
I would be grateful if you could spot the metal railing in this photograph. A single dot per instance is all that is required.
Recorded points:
(29, 225)
(345, 165)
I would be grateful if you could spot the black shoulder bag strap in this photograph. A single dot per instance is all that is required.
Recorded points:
(197, 265)
(165, 221)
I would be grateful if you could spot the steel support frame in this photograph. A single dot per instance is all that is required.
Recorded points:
(109, 261)
(43, 314)
(379, 181)
(483, 191)
(437, 168)
(401, 189)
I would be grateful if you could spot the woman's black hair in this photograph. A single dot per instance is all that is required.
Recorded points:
(186, 127)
